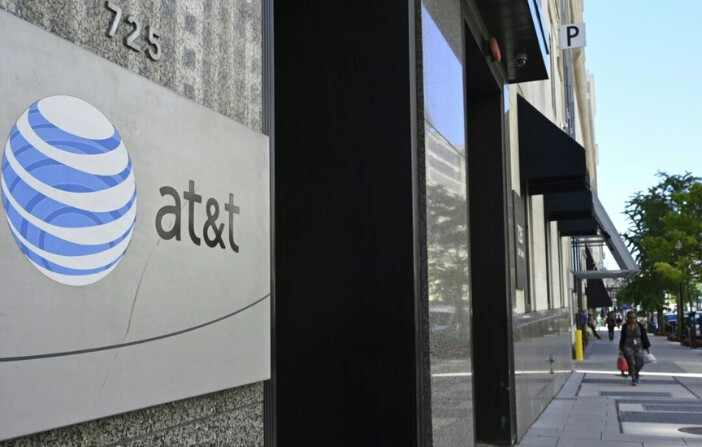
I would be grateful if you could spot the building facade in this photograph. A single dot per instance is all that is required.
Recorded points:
(430, 188)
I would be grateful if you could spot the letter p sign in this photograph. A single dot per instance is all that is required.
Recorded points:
(573, 35)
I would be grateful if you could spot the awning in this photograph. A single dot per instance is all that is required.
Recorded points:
(595, 290)
(580, 213)
(553, 164)
(578, 227)
(574, 212)
(608, 234)
(519, 28)
(597, 295)
(615, 244)
(550, 160)
(576, 205)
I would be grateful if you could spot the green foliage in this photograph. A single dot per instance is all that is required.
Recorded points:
(669, 273)
(646, 290)
(665, 235)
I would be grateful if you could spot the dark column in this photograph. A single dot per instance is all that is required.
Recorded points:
(344, 305)
(488, 186)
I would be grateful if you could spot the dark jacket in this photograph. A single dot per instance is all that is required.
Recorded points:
(611, 322)
(625, 332)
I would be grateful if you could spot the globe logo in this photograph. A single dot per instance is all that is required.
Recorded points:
(69, 191)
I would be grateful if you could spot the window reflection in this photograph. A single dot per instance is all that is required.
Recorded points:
(447, 228)
(443, 83)
(447, 247)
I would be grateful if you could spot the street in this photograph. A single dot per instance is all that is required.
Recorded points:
(597, 407)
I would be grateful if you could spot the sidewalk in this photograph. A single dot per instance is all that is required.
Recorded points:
(597, 407)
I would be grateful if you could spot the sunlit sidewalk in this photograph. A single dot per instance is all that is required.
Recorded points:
(598, 407)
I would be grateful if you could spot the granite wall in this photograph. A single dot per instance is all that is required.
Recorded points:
(211, 53)
(542, 361)
(211, 49)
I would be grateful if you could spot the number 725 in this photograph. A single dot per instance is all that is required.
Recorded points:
(152, 35)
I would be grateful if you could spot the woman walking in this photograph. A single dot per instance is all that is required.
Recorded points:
(633, 340)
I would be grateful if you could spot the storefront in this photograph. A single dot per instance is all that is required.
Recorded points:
(332, 235)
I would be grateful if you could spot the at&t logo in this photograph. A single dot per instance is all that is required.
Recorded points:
(68, 189)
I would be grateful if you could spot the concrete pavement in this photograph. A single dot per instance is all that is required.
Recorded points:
(597, 407)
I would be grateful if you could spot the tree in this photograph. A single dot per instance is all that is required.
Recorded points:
(447, 244)
(645, 291)
(666, 237)
(447, 262)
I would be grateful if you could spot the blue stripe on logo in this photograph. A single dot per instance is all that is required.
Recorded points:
(58, 175)
(64, 270)
(54, 244)
(72, 143)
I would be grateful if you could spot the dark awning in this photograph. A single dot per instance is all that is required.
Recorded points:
(574, 212)
(578, 227)
(569, 206)
(597, 295)
(581, 214)
(550, 160)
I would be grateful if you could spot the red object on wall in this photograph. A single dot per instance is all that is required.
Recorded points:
(495, 50)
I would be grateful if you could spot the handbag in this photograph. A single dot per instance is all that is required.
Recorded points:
(649, 358)
(622, 364)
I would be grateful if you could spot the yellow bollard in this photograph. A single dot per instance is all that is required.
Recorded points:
(578, 344)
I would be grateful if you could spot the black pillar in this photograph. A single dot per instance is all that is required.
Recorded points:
(488, 184)
(344, 257)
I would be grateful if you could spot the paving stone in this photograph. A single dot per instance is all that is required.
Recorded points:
(664, 444)
(633, 437)
(576, 427)
(538, 441)
(589, 443)
(552, 425)
(552, 432)
(603, 410)
(589, 434)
